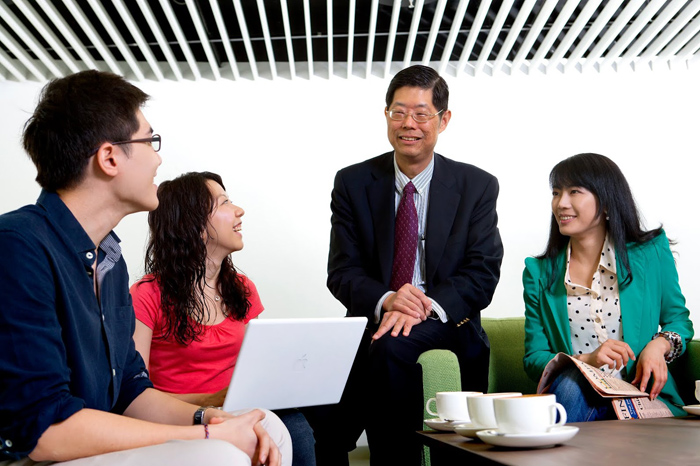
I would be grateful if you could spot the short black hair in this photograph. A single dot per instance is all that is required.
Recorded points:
(423, 77)
(74, 116)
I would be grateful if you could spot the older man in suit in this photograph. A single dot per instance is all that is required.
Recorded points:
(414, 247)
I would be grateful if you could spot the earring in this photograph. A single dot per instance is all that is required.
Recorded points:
(607, 217)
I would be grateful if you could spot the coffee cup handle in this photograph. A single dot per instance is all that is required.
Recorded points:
(557, 407)
(427, 407)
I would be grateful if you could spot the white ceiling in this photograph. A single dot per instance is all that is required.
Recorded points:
(295, 39)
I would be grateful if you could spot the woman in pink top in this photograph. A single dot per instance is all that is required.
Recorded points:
(193, 305)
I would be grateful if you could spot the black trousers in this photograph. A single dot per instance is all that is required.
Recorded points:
(384, 393)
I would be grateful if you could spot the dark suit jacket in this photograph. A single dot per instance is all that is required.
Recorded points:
(463, 249)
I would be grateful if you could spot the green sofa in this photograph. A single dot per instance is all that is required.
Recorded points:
(506, 373)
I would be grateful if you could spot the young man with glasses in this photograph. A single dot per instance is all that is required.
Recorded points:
(72, 385)
(415, 248)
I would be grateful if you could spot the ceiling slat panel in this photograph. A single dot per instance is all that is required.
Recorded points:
(513, 34)
(288, 38)
(267, 39)
(307, 31)
(493, 35)
(160, 38)
(18, 51)
(451, 37)
(434, 29)
(552, 34)
(7, 62)
(246, 37)
(138, 38)
(92, 35)
(532, 36)
(111, 29)
(601, 21)
(651, 31)
(329, 23)
(225, 39)
(50, 37)
(671, 31)
(47, 34)
(391, 40)
(572, 34)
(370, 37)
(675, 46)
(351, 36)
(67, 33)
(413, 32)
(180, 37)
(647, 13)
(203, 39)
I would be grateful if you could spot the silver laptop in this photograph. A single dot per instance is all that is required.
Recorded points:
(290, 363)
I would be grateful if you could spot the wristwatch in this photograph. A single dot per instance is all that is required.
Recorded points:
(199, 415)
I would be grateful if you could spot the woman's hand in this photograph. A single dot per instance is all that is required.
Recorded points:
(613, 353)
(652, 362)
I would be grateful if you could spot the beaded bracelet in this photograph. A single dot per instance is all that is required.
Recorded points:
(676, 344)
(206, 431)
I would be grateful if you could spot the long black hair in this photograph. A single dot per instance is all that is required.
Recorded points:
(176, 256)
(604, 179)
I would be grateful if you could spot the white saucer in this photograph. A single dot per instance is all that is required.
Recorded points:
(469, 429)
(692, 409)
(443, 425)
(546, 439)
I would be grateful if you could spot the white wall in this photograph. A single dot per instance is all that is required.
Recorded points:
(278, 147)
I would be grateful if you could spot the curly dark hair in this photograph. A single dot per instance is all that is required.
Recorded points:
(604, 179)
(176, 256)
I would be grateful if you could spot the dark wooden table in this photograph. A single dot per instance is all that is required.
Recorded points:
(672, 441)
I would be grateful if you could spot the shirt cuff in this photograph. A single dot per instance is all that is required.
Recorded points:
(378, 307)
(437, 309)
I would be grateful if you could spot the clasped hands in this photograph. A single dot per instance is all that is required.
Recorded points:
(407, 307)
(615, 354)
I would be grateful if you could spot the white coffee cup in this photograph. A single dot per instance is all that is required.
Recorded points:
(697, 389)
(481, 408)
(528, 414)
(451, 406)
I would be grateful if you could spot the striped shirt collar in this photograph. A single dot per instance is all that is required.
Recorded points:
(421, 181)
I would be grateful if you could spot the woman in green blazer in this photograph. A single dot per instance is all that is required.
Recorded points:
(604, 291)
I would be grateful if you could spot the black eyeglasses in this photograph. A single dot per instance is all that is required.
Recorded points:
(153, 141)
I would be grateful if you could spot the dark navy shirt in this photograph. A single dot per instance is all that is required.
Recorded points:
(61, 348)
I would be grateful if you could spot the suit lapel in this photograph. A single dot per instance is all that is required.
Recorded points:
(442, 209)
(380, 196)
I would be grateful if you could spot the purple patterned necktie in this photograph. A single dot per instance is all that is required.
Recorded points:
(405, 239)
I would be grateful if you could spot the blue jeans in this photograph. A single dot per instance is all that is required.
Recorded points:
(303, 449)
(581, 401)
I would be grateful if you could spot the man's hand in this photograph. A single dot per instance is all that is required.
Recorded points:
(409, 300)
(396, 322)
(248, 435)
(652, 361)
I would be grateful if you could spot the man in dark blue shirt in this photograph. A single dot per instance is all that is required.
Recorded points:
(71, 382)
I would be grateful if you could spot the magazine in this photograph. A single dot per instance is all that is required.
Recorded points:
(628, 401)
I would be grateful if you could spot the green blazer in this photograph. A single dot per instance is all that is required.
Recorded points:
(653, 299)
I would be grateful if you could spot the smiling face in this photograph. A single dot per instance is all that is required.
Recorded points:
(576, 211)
(225, 224)
(139, 167)
(414, 142)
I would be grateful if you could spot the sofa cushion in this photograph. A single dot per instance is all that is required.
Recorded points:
(506, 371)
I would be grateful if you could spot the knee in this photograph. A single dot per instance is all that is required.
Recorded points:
(213, 452)
(279, 434)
